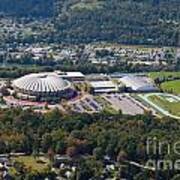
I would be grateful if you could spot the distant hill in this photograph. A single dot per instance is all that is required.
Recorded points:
(125, 21)
(34, 8)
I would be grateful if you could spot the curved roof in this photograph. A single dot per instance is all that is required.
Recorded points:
(41, 82)
(138, 83)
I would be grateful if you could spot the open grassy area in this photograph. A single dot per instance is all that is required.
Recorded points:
(171, 86)
(164, 74)
(30, 162)
(167, 103)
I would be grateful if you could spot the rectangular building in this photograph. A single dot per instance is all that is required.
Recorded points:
(103, 87)
(138, 84)
(71, 76)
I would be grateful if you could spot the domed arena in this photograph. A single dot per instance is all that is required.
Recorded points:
(42, 87)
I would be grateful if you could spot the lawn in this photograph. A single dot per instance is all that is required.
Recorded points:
(30, 162)
(164, 74)
(167, 103)
(171, 86)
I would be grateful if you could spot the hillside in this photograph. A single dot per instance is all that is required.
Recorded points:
(124, 21)
(155, 22)
(33, 8)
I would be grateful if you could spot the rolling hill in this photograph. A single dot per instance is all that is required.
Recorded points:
(155, 22)
(21, 8)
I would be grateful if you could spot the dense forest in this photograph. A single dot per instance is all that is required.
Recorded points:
(124, 21)
(88, 138)
(31, 8)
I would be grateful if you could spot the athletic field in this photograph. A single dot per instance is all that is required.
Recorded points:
(165, 104)
(171, 87)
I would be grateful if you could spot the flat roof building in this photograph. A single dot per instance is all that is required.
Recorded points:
(138, 84)
(71, 76)
(103, 87)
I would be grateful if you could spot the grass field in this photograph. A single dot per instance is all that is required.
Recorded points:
(171, 86)
(167, 103)
(164, 74)
(35, 164)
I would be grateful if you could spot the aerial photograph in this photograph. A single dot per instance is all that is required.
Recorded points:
(89, 89)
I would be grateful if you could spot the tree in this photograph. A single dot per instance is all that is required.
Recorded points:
(46, 142)
(51, 155)
(98, 153)
(176, 177)
(71, 151)
(89, 168)
(122, 156)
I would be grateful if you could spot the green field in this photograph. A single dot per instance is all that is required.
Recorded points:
(164, 74)
(167, 103)
(35, 164)
(171, 86)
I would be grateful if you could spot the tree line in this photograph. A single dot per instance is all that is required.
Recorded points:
(88, 138)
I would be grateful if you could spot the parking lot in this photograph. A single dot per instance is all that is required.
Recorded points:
(125, 103)
(86, 104)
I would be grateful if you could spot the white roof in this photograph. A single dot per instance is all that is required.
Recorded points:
(109, 90)
(138, 83)
(41, 82)
(103, 84)
(75, 74)
(69, 74)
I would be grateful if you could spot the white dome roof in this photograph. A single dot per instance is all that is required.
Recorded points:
(41, 82)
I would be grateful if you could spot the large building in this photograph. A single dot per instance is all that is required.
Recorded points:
(42, 87)
(71, 76)
(138, 84)
(103, 87)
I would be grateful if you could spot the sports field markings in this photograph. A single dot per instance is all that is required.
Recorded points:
(168, 97)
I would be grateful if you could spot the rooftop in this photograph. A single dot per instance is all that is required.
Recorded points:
(41, 82)
(103, 84)
(137, 82)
